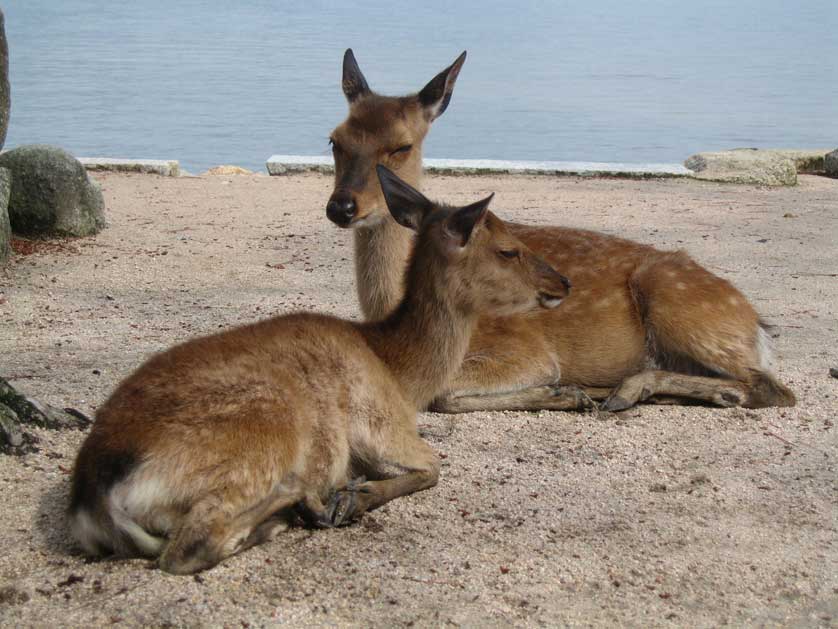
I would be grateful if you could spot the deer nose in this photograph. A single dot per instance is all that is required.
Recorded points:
(341, 210)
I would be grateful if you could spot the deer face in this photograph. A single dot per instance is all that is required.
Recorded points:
(483, 266)
(380, 130)
(510, 277)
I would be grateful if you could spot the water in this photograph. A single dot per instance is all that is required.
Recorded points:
(597, 81)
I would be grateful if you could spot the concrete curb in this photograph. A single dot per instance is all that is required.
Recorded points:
(164, 167)
(290, 164)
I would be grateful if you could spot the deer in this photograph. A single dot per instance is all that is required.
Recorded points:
(219, 443)
(642, 324)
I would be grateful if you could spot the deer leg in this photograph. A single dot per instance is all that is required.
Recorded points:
(400, 464)
(642, 386)
(699, 324)
(546, 397)
(496, 375)
(216, 528)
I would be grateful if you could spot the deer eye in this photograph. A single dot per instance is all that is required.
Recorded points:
(335, 146)
(402, 149)
(509, 253)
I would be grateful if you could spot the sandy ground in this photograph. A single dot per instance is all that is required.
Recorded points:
(658, 516)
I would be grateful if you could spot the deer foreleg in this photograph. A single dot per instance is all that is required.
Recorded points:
(545, 397)
(405, 464)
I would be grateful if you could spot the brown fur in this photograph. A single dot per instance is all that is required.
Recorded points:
(633, 307)
(209, 447)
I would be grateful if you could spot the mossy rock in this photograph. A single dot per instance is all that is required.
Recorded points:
(51, 193)
(5, 226)
(5, 92)
(830, 163)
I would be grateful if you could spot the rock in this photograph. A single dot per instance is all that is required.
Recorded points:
(806, 161)
(749, 166)
(30, 411)
(51, 193)
(227, 169)
(10, 433)
(5, 226)
(5, 92)
(830, 163)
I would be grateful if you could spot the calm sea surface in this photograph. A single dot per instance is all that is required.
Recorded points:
(234, 82)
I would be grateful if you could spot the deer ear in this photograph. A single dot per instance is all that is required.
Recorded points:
(436, 95)
(460, 225)
(354, 84)
(407, 205)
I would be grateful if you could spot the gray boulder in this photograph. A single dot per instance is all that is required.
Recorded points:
(750, 166)
(830, 163)
(5, 226)
(5, 94)
(51, 193)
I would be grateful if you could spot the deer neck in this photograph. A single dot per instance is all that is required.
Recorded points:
(381, 252)
(425, 338)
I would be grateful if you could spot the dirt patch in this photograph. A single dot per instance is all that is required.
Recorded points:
(658, 516)
(27, 247)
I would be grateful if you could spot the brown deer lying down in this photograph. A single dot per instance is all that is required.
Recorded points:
(639, 323)
(208, 447)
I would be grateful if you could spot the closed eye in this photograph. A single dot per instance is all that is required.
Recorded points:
(402, 149)
(509, 253)
(335, 146)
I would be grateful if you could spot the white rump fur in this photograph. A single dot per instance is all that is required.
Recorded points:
(127, 502)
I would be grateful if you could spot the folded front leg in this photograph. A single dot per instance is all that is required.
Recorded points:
(546, 397)
(403, 464)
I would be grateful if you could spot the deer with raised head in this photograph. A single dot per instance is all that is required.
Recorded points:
(212, 446)
(641, 324)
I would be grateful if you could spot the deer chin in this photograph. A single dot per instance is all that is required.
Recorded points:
(365, 222)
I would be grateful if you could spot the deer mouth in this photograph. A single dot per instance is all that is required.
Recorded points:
(549, 300)
(354, 221)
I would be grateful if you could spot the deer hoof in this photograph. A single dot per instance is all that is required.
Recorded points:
(616, 403)
(341, 507)
(344, 504)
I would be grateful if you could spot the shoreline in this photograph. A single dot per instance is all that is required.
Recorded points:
(772, 167)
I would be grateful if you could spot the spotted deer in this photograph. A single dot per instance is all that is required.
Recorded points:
(641, 324)
(210, 447)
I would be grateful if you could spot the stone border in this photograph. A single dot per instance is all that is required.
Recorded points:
(737, 165)
(164, 167)
(767, 167)
(290, 164)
